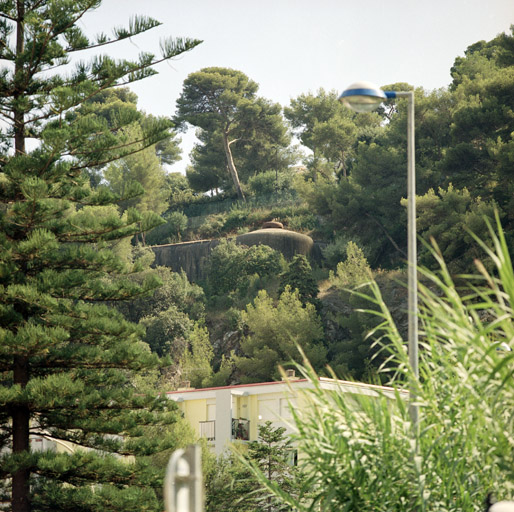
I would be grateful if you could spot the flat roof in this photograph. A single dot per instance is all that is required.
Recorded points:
(236, 386)
(326, 380)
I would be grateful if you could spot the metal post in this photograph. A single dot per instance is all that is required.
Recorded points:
(364, 97)
(412, 257)
(183, 486)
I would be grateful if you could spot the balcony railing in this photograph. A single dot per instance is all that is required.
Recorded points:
(208, 430)
(240, 429)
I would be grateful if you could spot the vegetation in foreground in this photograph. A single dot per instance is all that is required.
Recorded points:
(365, 454)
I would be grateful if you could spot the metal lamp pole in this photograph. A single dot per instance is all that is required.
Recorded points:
(365, 97)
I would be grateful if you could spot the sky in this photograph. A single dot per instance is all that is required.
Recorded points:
(293, 47)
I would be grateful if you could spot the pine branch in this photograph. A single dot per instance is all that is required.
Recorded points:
(5, 15)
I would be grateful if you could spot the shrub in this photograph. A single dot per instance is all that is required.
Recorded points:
(269, 182)
(335, 251)
(171, 232)
(230, 266)
(353, 271)
(211, 226)
(303, 222)
(236, 218)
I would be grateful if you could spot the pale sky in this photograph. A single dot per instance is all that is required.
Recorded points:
(290, 47)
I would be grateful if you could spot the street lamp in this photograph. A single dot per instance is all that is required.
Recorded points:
(366, 97)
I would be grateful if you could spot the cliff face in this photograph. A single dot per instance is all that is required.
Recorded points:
(190, 256)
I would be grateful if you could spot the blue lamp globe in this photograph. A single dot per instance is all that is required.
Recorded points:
(362, 96)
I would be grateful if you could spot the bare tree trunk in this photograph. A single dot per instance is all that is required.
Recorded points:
(21, 440)
(232, 167)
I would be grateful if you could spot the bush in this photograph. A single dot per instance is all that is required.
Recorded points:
(236, 218)
(211, 226)
(304, 222)
(233, 268)
(335, 252)
(169, 233)
(269, 182)
(353, 271)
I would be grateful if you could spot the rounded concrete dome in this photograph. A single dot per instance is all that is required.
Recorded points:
(287, 242)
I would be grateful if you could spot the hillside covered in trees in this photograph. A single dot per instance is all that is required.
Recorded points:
(345, 187)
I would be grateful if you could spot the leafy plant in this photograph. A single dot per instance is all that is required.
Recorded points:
(171, 232)
(269, 182)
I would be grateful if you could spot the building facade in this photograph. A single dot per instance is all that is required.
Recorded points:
(226, 414)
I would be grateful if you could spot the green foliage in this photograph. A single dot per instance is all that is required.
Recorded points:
(329, 129)
(222, 376)
(231, 266)
(269, 182)
(350, 350)
(223, 260)
(180, 192)
(167, 331)
(115, 111)
(236, 217)
(298, 276)
(353, 271)
(226, 485)
(274, 334)
(142, 167)
(453, 218)
(170, 232)
(196, 364)
(231, 485)
(236, 126)
(174, 290)
(366, 203)
(364, 454)
(67, 359)
(335, 252)
(169, 313)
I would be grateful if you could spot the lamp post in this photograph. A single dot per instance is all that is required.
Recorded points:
(365, 97)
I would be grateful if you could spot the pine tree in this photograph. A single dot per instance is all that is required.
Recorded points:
(232, 486)
(273, 454)
(66, 359)
(274, 333)
(298, 276)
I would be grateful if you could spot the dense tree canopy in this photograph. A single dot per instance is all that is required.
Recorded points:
(274, 334)
(239, 130)
(143, 165)
(463, 140)
(329, 129)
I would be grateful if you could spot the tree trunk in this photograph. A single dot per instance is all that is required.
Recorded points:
(20, 487)
(21, 440)
(19, 115)
(232, 167)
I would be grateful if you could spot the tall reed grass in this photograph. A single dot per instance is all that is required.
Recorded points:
(361, 453)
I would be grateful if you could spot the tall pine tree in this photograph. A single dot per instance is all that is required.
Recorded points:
(66, 359)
